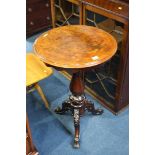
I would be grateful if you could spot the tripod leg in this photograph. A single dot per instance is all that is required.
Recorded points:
(65, 107)
(77, 128)
(90, 107)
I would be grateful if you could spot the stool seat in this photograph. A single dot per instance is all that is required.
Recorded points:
(36, 70)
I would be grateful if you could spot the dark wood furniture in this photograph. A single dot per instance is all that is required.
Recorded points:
(38, 16)
(115, 10)
(59, 9)
(30, 148)
(118, 11)
(76, 48)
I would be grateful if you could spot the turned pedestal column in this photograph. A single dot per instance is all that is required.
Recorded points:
(77, 104)
(76, 47)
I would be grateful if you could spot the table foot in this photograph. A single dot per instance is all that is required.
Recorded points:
(77, 105)
(65, 107)
(89, 106)
(76, 144)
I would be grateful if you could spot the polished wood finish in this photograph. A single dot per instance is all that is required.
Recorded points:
(81, 13)
(36, 70)
(30, 148)
(38, 16)
(78, 47)
(77, 84)
(118, 11)
(122, 93)
(53, 12)
(76, 2)
(77, 104)
(75, 47)
(110, 8)
(40, 91)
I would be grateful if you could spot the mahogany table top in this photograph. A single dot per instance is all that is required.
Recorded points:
(75, 46)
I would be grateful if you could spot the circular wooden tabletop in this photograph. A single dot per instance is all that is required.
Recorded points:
(75, 46)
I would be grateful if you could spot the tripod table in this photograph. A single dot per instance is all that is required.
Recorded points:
(76, 47)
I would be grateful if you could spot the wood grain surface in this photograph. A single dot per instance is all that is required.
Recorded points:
(36, 70)
(75, 46)
(112, 6)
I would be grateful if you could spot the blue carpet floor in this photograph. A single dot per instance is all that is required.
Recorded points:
(53, 134)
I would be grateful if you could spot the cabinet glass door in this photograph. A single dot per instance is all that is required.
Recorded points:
(66, 12)
(103, 80)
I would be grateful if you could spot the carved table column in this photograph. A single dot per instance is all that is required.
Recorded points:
(77, 47)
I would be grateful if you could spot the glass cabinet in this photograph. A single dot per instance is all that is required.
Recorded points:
(108, 83)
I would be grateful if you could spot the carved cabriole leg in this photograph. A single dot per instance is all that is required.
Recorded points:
(77, 128)
(66, 106)
(77, 104)
(89, 106)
